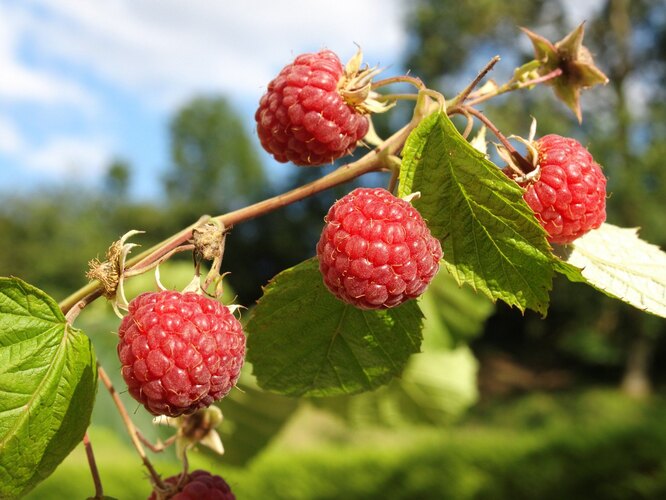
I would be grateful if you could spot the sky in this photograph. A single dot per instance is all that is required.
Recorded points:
(82, 82)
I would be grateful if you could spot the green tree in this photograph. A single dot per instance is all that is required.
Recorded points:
(118, 178)
(215, 165)
(622, 126)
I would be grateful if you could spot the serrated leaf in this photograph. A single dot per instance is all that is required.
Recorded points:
(616, 261)
(490, 237)
(48, 380)
(302, 341)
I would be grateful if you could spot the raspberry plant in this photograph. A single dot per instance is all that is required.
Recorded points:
(349, 319)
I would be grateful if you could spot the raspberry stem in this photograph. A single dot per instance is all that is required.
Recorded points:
(129, 425)
(94, 471)
(460, 98)
(512, 85)
(372, 161)
(521, 162)
(412, 80)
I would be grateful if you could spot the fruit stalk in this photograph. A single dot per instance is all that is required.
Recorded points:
(129, 425)
(94, 471)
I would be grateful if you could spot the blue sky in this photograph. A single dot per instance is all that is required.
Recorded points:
(83, 82)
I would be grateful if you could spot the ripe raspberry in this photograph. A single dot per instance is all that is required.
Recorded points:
(376, 251)
(198, 485)
(179, 351)
(303, 116)
(569, 195)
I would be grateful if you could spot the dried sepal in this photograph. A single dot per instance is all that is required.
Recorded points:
(197, 428)
(579, 71)
(356, 87)
(110, 272)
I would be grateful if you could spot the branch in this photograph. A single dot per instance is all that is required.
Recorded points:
(370, 162)
(131, 429)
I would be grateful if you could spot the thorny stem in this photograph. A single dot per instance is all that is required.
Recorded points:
(524, 165)
(513, 85)
(90, 455)
(131, 429)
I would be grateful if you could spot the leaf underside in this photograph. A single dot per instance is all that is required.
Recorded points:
(617, 262)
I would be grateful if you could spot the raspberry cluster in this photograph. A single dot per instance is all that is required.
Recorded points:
(376, 251)
(198, 485)
(303, 117)
(569, 195)
(179, 351)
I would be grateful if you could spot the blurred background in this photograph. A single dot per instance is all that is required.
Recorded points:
(139, 115)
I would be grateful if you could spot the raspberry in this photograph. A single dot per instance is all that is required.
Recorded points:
(376, 251)
(303, 116)
(198, 485)
(569, 195)
(179, 351)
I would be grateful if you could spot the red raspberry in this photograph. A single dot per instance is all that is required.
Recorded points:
(376, 251)
(179, 351)
(569, 195)
(198, 485)
(304, 118)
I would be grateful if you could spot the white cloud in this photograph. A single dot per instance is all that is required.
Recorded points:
(66, 155)
(58, 156)
(20, 82)
(168, 49)
(11, 141)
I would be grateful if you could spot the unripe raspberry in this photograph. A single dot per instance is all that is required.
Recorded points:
(304, 118)
(198, 485)
(179, 351)
(569, 193)
(376, 251)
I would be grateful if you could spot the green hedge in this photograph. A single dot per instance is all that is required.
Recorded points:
(592, 445)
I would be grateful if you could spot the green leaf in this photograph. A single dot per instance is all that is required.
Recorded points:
(454, 315)
(617, 262)
(304, 341)
(48, 380)
(490, 237)
(436, 388)
(252, 418)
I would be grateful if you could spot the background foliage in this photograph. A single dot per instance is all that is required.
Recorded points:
(538, 416)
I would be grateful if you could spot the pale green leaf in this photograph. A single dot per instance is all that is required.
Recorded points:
(252, 418)
(490, 237)
(616, 261)
(454, 314)
(48, 380)
(304, 341)
(436, 388)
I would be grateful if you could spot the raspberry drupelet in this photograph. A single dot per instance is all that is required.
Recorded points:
(569, 193)
(198, 485)
(304, 117)
(376, 251)
(179, 351)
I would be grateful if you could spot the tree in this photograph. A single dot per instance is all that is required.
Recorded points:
(215, 167)
(118, 178)
(625, 135)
